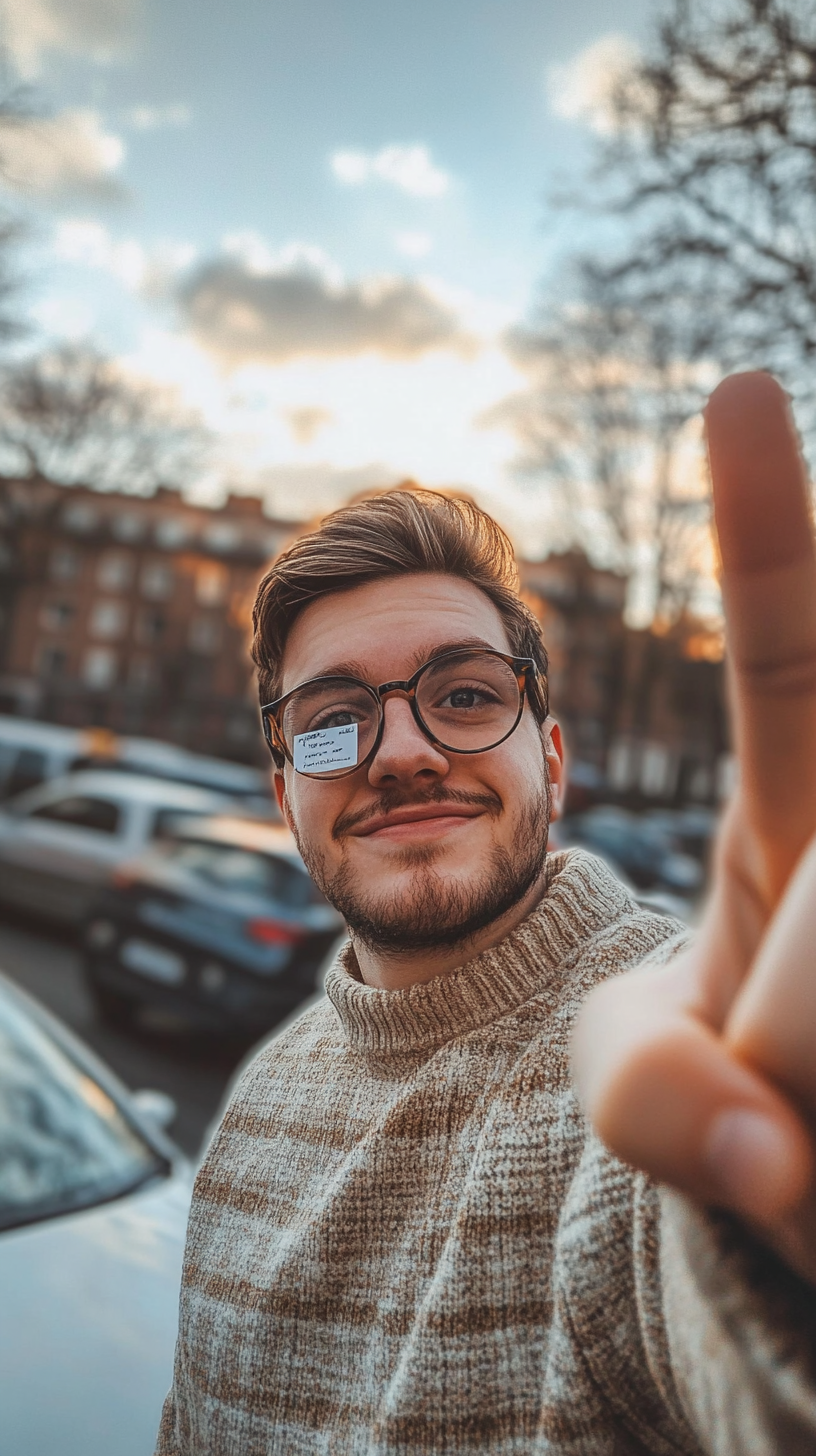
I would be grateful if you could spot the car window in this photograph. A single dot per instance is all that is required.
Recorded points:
(247, 870)
(64, 1143)
(166, 819)
(27, 768)
(84, 811)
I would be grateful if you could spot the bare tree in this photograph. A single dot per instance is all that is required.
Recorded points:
(608, 418)
(71, 415)
(711, 170)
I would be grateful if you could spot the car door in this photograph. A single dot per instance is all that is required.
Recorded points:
(92, 1220)
(56, 851)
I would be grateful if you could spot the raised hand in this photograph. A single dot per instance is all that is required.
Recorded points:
(704, 1073)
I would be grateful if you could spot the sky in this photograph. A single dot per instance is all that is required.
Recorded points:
(314, 221)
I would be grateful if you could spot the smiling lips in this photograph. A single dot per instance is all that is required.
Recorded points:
(417, 821)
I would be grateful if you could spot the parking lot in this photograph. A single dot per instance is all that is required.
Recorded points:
(194, 1072)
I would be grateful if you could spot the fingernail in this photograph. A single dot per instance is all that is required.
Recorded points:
(749, 1158)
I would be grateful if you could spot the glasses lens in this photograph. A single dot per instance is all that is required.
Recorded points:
(468, 701)
(330, 725)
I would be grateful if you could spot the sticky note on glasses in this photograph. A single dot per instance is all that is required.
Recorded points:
(326, 749)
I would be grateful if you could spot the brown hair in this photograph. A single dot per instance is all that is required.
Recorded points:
(392, 534)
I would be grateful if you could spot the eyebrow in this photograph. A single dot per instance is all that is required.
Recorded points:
(351, 668)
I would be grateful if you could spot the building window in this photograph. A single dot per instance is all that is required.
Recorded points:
(205, 634)
(64, 564)
(142, 673)
(114, 571)
(56, 616)
(99, 667)
(127, 526)
(108, 620)
(221, 536)
(211, 582)
(151, 625)
(172, 532)
(51, 661)
(157, 580)
(197, 679)
(80, 517)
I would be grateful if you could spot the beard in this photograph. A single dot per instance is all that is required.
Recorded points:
(431, 912)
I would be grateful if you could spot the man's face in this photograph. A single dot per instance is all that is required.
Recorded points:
(420, 845)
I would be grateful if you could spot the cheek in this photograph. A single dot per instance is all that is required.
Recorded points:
(313, 808)
(517, 774)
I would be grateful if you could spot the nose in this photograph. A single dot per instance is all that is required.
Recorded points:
(404, 754)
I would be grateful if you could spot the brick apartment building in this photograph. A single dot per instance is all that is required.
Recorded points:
(581, 610)
(644, 712)
(132, 613)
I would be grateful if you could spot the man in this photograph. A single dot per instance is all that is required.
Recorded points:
(405, 1237)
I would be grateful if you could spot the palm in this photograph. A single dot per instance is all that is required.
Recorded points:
(665, 1059)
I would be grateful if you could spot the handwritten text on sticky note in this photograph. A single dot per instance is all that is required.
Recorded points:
(326, 749)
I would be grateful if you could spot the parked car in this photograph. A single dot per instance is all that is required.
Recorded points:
(32, 752)
(61, 842)
(645, 850)
(219, 928)
(93, 1207)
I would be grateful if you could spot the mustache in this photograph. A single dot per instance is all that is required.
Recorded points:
(387, 802)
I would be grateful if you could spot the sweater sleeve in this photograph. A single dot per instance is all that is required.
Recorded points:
(693, 1337)
(741, 1333)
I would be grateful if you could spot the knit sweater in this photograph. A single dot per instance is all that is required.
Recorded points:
(405, 1239)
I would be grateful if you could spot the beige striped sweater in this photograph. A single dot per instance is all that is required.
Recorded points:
(404, 1238)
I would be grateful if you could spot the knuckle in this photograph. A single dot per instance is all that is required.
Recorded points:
(794, 677)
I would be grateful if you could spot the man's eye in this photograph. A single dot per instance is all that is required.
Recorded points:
(464, 698)
(337, 718)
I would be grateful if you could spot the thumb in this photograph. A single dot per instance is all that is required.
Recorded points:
(667, 1096)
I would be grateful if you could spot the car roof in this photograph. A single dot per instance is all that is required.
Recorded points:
(137, 788)
(29, 733)
(139, 754)
(166, 756)
(231, 829)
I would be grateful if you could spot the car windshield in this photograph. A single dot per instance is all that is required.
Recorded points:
(64, 1144)
(247, 870)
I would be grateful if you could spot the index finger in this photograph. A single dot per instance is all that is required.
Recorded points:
(763, 518)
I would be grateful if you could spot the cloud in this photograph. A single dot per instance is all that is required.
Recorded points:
(155, 118)
(413, 245)
(279, 312)
(409, 168)
(586, 88)
(255, 254)
(57, 156)
(306, 422)
(96, 28)
(150, 271)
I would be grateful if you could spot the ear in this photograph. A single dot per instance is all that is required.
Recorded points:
(280, 794)
(554, 754)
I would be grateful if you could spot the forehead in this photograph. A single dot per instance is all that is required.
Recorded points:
(386, 629)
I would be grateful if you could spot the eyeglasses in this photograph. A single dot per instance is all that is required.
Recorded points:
(465, 701)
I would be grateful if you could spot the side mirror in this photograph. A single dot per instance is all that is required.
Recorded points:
(159, 1107)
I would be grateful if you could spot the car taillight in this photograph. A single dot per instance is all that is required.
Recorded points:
(272, 932)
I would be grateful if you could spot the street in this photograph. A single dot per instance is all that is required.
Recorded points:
(194, 1073)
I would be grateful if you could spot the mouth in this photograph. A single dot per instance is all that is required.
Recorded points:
(422, 821)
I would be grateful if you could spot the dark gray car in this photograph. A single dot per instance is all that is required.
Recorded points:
(218, 929)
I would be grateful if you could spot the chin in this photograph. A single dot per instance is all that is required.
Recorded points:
(436, 854)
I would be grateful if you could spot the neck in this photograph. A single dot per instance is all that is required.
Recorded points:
(396, 970)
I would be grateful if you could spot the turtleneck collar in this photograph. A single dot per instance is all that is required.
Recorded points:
(582, 896)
